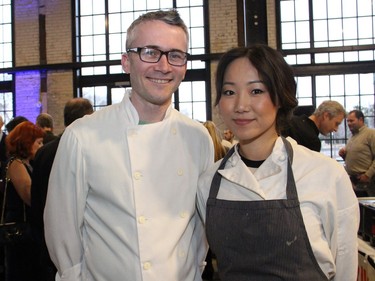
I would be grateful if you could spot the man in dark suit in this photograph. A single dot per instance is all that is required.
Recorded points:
(74, 109)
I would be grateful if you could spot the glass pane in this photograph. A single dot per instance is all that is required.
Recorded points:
(87, 47)
(349, 8)
(185, 92)
(140, 5)
(152, 4)
(320, 30)
(117, 94)
(199, 91)
(114, 23)
(350, 28)
(366, 83)
(337, 84)
(115, 43)
(186, 109)
(288, 32)
(364, 28)
(86, 7)
(320, 9)
(304, 87)
(198, 16)
(303, 31)
(322, 85)
(287, 11)
(199, 111)
(114, 6)
(334, 9)
(335, 29)
(86, 26)
(197, 38)
(99, 44)
(351, 84)
(302, 10)
(365, 7)
(99, 24)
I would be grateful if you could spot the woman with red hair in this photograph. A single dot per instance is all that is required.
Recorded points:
(22, 144)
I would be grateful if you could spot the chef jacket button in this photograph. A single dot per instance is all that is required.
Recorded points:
(141, 219)
(180, 172)
(132, 132)
(181, 254)
(137, 175)
(282, 158)
(146, 265)
(183, 215)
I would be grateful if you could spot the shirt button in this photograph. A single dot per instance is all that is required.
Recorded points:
(181, 254)
(174, 131)
(180, 172)
(146, 265)
(141, 219)
(137, 175)
(132, 132)
(183, 215)
(282, 158)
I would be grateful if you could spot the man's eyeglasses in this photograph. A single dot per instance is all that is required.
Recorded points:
(153, 55)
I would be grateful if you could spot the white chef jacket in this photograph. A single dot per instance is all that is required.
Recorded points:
(329, 206)
(121, 203)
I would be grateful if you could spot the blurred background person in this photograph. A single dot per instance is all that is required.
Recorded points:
(45, 121)
(14, 122)
(305, 129)
(359, 154)
(22, 144)
(220, 150)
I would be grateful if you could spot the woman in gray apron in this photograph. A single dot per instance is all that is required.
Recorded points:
(274, 210)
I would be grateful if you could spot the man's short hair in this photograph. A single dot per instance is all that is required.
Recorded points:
(75, 109)
(44, 120)
(333, 108)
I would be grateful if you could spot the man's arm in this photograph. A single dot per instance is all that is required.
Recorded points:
(63, 214)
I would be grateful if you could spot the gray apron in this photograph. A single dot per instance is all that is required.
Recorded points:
(262, 240)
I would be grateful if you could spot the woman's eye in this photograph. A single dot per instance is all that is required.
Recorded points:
(228, 93)
(257, 91)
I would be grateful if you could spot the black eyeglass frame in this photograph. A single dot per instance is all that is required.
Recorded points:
(138, 50)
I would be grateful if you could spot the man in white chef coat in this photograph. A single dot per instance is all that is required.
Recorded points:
(120, 205)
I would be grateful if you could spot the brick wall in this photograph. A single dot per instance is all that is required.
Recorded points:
(30, 100)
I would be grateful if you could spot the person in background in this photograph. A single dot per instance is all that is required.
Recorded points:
(73, 110)
(274, 210)
(14, 122)
(120, 205)
(305, 129)
(228, 139)
(220, 150)
(359, 154)
(22, 144)
(45, 121)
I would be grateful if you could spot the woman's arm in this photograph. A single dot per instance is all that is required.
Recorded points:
(19, 176)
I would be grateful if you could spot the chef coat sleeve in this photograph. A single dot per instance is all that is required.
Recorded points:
(63, 214)
(347, 224)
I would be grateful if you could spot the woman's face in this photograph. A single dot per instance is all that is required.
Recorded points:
(38, 143)
(245, 104)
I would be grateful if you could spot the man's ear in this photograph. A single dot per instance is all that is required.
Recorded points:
(125, 62)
